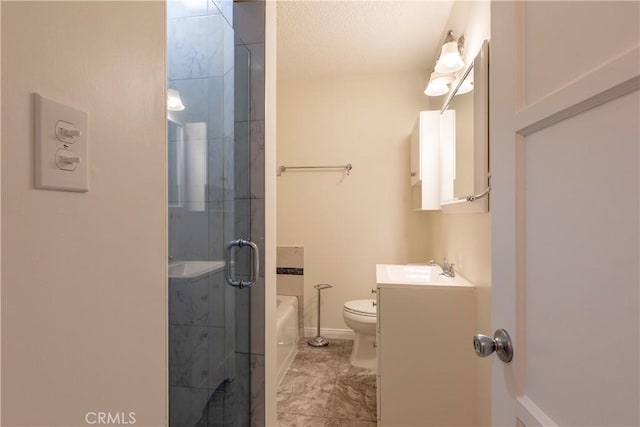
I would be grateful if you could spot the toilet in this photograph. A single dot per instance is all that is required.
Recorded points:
(360, 315)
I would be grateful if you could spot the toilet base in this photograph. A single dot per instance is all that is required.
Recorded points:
(364, 352)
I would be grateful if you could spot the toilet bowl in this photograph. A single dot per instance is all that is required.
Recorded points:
(360, 315)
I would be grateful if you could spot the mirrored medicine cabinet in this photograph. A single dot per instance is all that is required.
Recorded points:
(464, 140)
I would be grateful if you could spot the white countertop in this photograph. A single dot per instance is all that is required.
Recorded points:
(418, 275)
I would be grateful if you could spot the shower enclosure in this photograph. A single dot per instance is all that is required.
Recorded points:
(215, 56)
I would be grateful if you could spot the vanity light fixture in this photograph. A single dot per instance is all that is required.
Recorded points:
(174, 102)
(450, 59)
(434, 89)
(441, 79)
(466, 86)
(439, 84)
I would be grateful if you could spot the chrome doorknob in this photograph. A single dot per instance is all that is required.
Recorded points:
(500, 343)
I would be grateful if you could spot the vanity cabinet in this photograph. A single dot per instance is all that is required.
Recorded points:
(425, 159)
(426, 363)
(425, 172)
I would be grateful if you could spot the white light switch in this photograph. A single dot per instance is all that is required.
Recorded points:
(61, 154)
(67, 132)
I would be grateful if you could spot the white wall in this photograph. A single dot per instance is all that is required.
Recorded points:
(84, 275)
(465, 239)
(348, 224)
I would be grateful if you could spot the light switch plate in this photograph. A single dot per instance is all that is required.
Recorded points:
(61, 163)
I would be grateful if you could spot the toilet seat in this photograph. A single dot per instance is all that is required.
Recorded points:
(361, 307)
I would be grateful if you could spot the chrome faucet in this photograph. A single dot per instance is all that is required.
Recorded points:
(447, 269)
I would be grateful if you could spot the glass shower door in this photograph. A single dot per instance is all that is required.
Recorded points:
(212, 261)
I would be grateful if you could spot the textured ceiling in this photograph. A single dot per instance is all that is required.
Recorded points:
(322, 38)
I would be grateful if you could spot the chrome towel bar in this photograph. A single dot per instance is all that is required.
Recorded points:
(346, 167)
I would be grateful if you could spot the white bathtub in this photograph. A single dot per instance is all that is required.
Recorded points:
(287, 332)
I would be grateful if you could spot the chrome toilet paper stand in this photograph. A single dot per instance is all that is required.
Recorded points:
(319, 341)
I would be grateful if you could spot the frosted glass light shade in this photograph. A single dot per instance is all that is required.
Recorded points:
(441, 79)
(450, 60)
(465, 87)
(174, 102)
(436, 89)
(467, 84)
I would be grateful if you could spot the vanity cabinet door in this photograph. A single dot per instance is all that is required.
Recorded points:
(425, 160)
(415, 155)
(426, 364)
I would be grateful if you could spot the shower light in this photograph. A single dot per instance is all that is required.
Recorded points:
(174, 102)
(450, 59)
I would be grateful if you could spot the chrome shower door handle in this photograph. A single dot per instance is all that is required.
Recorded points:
(240, 243)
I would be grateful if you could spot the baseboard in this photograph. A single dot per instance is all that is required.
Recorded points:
(341, 334)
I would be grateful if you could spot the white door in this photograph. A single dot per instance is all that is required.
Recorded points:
(565, 211)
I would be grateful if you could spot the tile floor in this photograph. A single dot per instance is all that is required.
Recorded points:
(322, 389)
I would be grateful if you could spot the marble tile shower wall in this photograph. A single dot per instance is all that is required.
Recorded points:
(202, 322)
(200, 44)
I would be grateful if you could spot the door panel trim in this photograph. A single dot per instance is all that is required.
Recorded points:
(603, 84)
(531, 415)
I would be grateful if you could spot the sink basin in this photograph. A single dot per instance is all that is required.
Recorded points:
(419, 275)
(193, 269)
